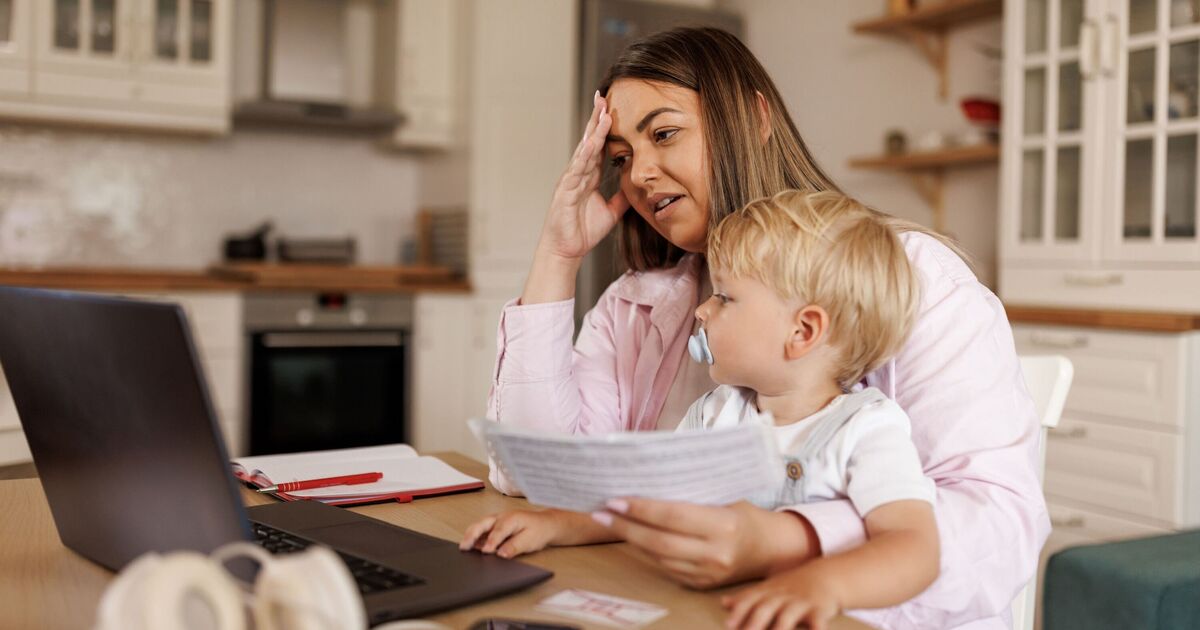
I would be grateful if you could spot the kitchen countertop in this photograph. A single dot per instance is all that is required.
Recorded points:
(1107, 319)
(358, 279)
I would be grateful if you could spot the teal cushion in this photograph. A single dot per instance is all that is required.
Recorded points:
(1144, 584)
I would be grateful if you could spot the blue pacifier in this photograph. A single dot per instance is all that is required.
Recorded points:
(698, 348)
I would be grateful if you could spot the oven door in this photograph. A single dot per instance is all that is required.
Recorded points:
(315, 390)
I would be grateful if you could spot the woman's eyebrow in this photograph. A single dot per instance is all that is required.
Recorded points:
(641, 126)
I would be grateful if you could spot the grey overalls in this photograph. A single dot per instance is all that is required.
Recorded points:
(793, 490)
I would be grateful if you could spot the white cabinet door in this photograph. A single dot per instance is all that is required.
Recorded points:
(430, 44)
(442, 332)
(1053, 129)
(159, 64)
(84, 50)
(1154, 130)
(15, 42)
(183, 54)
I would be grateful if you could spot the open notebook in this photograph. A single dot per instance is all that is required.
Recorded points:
(406, 475)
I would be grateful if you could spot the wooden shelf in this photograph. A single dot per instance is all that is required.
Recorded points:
(927, 171)
(926, 28)
(959, 156)
(933, 16)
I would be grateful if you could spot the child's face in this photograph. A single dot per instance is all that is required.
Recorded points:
(748, 326)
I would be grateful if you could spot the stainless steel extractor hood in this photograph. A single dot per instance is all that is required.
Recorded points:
(313, 63)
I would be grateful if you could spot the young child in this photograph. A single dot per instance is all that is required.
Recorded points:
(811, 291)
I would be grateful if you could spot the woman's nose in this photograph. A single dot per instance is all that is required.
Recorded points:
(644, 170)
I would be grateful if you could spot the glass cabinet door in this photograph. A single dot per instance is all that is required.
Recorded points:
(1157, 46)
(1049, 151)
(86, 29)
(7, 23)
(182, 32)
(14, 47)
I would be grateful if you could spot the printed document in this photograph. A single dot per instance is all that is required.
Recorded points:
(580, 473)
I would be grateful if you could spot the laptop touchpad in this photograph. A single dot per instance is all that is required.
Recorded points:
(371, 539)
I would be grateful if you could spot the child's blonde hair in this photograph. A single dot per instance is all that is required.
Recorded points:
(827, 249)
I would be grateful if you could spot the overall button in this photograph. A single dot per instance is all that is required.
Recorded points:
(795, 471)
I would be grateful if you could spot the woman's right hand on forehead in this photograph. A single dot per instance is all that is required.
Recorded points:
(579, 215)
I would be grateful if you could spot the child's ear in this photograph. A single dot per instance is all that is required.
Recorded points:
(809, 327)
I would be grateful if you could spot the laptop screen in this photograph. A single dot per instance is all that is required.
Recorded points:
(119, 420)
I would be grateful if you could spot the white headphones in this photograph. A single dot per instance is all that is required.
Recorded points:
(698, 347)
(185, 590)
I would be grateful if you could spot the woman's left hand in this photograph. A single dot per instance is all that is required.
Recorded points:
(706, 546)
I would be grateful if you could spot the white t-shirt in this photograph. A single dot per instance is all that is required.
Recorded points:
(869, 460)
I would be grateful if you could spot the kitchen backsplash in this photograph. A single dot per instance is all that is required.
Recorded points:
(82, 197)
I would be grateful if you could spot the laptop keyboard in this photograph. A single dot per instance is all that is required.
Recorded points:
(371, 577)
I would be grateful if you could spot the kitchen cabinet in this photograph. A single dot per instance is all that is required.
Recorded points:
(429, 66)
(1099, 201)
(15, 48)
(160, 64)
(453, 360)
(1124, 461)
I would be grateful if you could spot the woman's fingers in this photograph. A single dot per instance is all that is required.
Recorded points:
(501, 531)
(661, 543)
(522, 542)
(683, 518)
(476, 530)
(591, 146)
(598, 105)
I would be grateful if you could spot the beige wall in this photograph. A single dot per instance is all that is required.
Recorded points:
(845, 91)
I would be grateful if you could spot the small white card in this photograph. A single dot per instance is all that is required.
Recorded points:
(616, 612)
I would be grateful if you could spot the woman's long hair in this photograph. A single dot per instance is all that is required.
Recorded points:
(742, 167)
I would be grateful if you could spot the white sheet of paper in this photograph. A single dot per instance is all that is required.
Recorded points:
(580, 473)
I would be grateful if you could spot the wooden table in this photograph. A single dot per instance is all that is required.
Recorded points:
(45, 585)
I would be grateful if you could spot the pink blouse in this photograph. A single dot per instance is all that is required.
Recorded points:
(958, 378)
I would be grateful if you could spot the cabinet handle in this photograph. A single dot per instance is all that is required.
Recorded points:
(1076, 433)
(1109, 35)
(1074, 522)
(1067, 342)
(1093, 280)
(1087, 49)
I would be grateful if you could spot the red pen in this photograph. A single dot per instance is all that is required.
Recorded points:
(309, 484)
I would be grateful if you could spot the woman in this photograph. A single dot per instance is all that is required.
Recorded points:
(696, 129)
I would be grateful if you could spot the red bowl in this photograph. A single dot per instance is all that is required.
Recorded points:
(981, 110)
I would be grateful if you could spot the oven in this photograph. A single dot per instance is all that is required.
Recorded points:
(327, 370)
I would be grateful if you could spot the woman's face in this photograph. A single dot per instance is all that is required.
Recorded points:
(657, 142)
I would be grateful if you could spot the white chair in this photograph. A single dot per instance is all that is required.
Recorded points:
(1048, 379)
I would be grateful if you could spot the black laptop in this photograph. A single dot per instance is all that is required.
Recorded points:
(117, 414)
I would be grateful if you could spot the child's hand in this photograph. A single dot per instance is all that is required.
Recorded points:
(510, 534)
(784, 600)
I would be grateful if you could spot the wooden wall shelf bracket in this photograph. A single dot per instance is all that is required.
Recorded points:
(929, 185)
(926, 28)
(932, 45)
